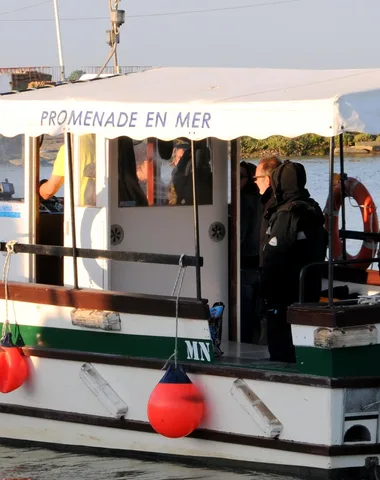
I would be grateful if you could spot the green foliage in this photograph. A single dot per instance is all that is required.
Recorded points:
(75, 75)
(365, 137)
(304, 145)
(309, 144)
(348, 140)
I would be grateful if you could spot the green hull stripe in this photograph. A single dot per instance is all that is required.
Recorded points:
(339, 362)
(142, 346)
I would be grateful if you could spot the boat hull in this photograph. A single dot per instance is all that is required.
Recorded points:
(56, 409)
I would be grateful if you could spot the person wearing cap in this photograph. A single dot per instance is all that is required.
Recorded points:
(295, 237)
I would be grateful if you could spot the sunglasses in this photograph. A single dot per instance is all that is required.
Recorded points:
(259, 176)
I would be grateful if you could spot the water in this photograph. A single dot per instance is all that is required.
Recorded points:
(37, 464)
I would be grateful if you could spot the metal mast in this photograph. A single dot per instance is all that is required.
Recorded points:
(113, 37)
(57, 27)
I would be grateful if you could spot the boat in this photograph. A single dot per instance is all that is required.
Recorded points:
(102, 295)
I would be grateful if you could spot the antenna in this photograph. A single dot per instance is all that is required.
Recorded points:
(113, 37)
(61, 66)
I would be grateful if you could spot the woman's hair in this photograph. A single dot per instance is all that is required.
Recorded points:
(250, 170)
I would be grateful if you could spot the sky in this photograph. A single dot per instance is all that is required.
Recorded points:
(322, 34)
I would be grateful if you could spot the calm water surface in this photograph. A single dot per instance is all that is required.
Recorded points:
(37, 464)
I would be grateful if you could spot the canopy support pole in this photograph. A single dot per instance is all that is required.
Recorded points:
(234, 249)
(196, 225)
(331, 225)
(343, 194)
(72, 208)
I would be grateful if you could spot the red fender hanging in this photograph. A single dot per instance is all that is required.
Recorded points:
(13, 365)
(357, 191)
(175, 407)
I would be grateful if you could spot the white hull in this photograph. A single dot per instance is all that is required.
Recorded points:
(71, 434)
(56, 408)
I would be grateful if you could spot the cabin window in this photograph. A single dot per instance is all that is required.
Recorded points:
(156, 173)
(12, 170)
(87, 161)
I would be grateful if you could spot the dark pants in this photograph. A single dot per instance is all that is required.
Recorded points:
(280, 341)
(250, 323)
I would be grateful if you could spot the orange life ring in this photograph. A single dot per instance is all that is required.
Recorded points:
(357, 191)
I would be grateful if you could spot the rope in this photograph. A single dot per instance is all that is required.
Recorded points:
(360, 206)
(177, 287)
(10, 249)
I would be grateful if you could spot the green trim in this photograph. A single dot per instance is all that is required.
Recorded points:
(142, 346)
(339, 362)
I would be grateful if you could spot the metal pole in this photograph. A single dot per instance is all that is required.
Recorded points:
(196, 224)
(61, 66)
(234, 237)
(331, 224)
(343, 194)
(115, 65)
(72, 209)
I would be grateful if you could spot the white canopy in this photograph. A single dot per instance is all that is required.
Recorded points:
(196, 103)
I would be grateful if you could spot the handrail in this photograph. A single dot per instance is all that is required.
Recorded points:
(301, 295)
(354, 235)
(57, 251)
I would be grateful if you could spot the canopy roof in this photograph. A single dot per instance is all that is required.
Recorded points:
(225, 103)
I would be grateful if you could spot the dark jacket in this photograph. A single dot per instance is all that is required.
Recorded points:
(181, 187)
(295, 237)
(267, 202)
(250, 217)
(130, 192)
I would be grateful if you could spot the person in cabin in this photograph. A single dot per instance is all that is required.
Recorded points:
(295, 237)
(203, 174)
(131, 178)
(250, 215)
(181, 185)
(177, 176)
(49, 187)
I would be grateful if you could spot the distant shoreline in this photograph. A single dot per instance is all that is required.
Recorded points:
(310, 145)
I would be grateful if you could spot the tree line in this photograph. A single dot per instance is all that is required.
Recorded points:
(309, 144)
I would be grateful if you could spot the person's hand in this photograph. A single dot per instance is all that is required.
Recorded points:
(44, 180)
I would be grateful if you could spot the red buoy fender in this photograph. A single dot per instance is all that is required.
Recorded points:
(175, 407)
(13, 366)
(356, 190)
